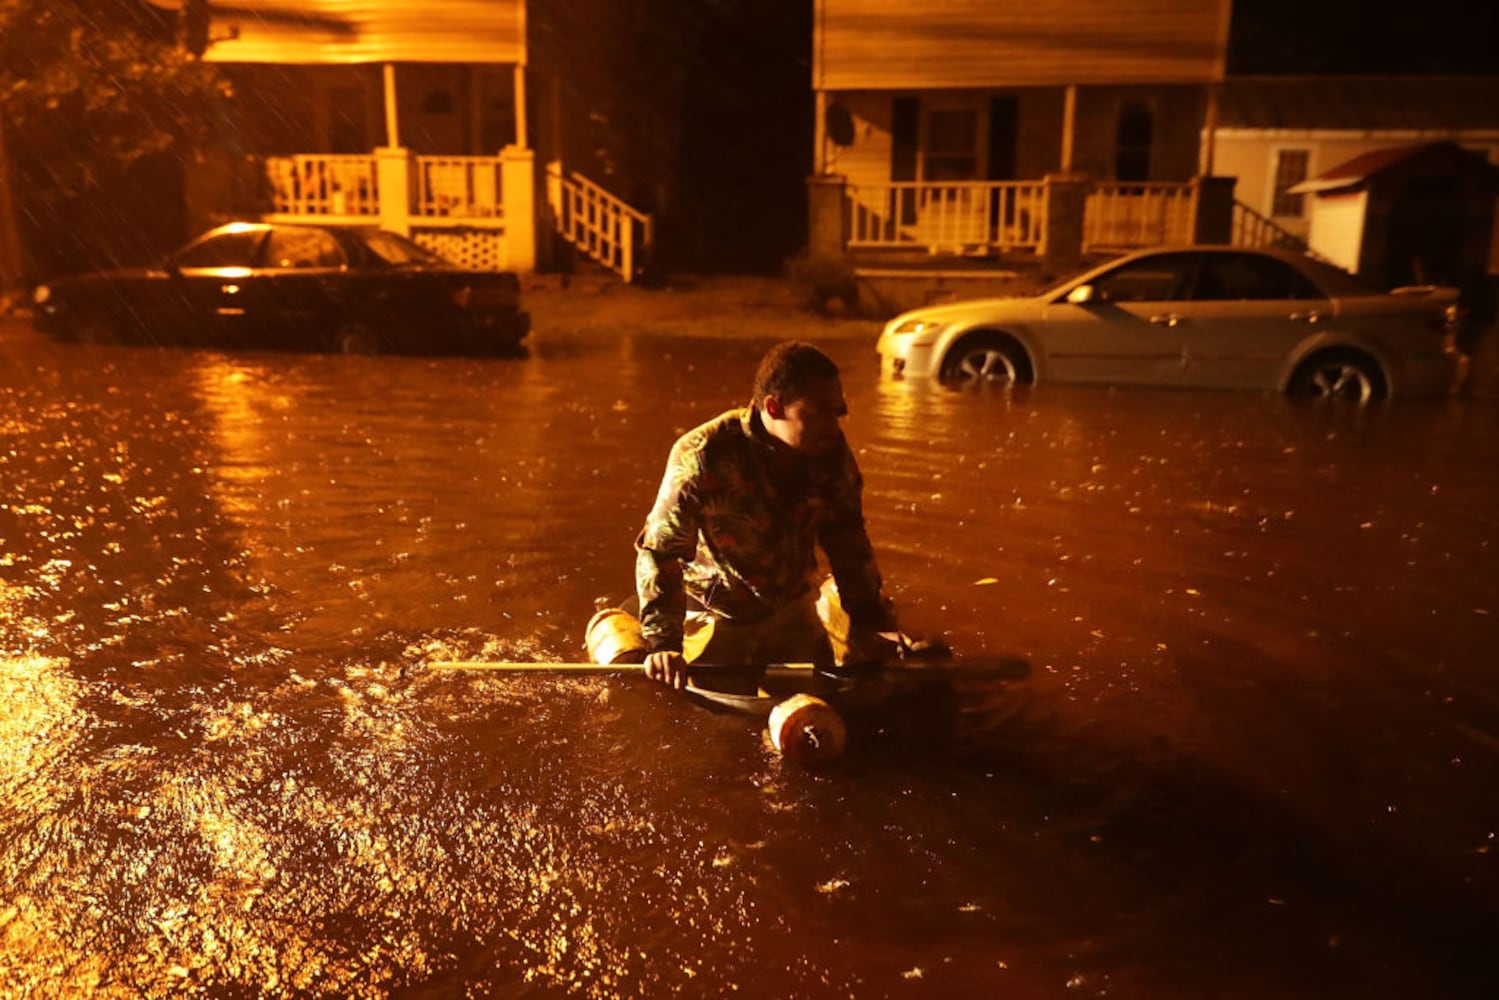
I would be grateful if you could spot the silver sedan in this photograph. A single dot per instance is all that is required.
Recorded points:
(1201, 316)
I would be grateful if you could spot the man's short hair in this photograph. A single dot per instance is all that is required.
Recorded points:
(788, 369)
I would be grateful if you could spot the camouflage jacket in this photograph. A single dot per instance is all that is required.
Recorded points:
(736, 526)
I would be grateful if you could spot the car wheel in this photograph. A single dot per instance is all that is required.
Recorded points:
(95, 326)
(987, 360)
(1342, 375)
(356, 338)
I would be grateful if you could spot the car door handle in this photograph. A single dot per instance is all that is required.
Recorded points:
(1166, 319)
(1309, 316)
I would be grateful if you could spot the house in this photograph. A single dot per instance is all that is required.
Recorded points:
(448, 121)
(1274, 132)
(1013, 129)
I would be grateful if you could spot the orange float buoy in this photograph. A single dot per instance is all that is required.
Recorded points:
(613, 636)
(807, 729)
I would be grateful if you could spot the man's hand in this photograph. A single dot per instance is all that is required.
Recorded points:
(667, 667)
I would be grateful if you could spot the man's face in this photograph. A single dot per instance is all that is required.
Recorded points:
(810, 422)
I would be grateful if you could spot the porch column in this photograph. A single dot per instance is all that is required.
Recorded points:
(1062, 241)
(1208, 147)
(820, 133)
(1069, 126)
(827, 215)
(392, 126)
(520, 105)
(518, 187)
(394, 174)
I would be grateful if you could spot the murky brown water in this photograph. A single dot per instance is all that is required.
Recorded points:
(1255, 756)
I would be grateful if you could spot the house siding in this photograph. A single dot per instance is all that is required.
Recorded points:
(443, 109)
(1177, 113)
(1250, 156)
(1339, 232)
(967, 44)
(369, 31)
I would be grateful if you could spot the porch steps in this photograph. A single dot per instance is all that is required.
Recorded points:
(598, 224)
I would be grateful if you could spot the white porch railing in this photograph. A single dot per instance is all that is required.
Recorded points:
(459, 187)
(1252, 229)
(598, 223)
(1154, 213)
(315, 184)
(452, 204)
(958, 217)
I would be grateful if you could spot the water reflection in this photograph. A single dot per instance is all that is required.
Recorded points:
(1260, 719)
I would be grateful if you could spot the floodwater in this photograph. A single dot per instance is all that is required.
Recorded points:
(1255, 753)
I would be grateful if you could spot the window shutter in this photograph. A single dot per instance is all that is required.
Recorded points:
(904, 118)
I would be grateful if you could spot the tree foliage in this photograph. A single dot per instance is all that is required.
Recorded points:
(90, 88)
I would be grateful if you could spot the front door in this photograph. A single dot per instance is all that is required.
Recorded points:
(1134, 329)
(1248, 311)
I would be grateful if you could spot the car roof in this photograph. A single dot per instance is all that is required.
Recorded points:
(1280, 253)
(262, 226)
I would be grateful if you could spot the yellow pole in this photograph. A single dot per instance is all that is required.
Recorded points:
(392, 126)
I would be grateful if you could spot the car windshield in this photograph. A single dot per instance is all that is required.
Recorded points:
(229, 248)
(395, 249)
(1057, 286)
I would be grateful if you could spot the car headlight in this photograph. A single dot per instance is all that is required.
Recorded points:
(918, 326)
(42, 295)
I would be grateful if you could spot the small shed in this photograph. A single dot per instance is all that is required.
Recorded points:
(1410, 215)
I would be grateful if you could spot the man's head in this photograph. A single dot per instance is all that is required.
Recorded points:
(800, 397)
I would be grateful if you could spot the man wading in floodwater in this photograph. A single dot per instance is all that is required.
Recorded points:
(725, 567)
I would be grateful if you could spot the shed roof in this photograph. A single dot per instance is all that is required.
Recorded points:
(1358, 171)
(1360, 103)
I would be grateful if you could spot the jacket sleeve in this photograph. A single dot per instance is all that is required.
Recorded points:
(665, 545)
(850, 555)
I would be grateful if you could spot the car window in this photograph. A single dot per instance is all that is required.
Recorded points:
(233, 249)
(395, 249)
(1335, 280)
(1241, 276)
(302, 246)
(1163, 277)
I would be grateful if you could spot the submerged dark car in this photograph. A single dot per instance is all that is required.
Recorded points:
(292, 287)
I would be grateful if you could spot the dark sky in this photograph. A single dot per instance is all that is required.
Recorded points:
(1365, 36)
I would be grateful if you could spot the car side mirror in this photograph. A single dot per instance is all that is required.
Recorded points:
(1084, 294)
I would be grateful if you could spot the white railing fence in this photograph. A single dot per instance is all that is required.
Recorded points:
(454, 205)
(1127, 215)
(459, 187)
(314, 184)
(959, 217)
(598, 223)
(1253, 229)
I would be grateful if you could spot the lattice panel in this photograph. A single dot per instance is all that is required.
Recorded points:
(480, 249)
